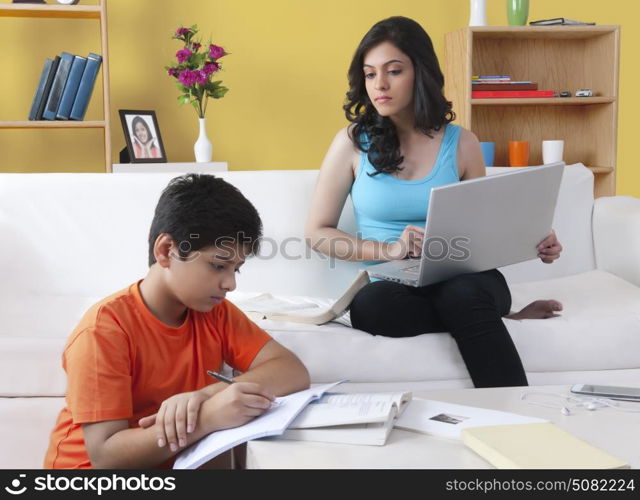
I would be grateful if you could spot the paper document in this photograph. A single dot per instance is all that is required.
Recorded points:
(266, 306)
(355, 408)
(448, 420)
(267, 303)
(272, 423)
(354, 418)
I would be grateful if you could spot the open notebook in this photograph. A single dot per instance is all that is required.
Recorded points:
(271, 423)
(356, 418)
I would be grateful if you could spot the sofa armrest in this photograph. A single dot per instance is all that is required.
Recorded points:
(616, 236)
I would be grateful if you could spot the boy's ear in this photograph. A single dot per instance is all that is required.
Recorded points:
(164, 250)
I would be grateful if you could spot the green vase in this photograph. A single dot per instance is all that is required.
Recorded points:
(517, 12)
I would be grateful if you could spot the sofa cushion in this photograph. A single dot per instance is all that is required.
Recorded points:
(599, 328)
(26, 426)
(601, 314)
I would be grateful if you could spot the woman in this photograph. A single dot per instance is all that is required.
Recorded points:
(144, 145)
(399, 145)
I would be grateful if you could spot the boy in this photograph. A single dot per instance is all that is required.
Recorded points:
(138, 389)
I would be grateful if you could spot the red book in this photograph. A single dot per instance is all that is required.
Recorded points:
(492, 94)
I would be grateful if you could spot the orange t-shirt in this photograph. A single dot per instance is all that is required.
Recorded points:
(123, 362)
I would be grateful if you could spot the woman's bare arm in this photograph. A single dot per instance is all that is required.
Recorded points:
(332, 188)
(469, 155)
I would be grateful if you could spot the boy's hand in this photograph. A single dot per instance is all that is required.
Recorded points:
(176, 417)
(239, 403)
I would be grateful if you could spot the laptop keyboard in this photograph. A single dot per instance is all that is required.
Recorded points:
(411, 270)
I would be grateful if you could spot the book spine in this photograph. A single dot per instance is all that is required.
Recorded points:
(85, 89)
(504, 86)
(71, 87)
(492, 77)
(490, 94)
(37, 98)
(57, 87)
(47, 88)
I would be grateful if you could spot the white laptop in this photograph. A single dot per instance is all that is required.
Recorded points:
(481, 224)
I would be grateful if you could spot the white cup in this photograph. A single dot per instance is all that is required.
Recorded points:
(552, 151)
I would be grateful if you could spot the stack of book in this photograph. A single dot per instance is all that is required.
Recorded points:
(496, 86)
(65, 87)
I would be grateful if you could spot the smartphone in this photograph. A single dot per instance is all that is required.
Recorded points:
(608, 391)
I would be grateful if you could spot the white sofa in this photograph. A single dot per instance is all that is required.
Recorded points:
(68, 240)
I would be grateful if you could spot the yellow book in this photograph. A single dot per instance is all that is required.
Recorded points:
(536, 446)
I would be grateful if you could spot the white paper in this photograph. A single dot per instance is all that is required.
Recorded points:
(271, 423)
(447, 420)
(267, 303)
(345, 409)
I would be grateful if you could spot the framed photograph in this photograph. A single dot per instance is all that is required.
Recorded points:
(141, 131)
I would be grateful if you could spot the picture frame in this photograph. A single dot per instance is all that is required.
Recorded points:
(143, 137)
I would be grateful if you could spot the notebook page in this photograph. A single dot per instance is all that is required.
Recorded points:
(273, 422)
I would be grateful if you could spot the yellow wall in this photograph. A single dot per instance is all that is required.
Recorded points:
(286, 74)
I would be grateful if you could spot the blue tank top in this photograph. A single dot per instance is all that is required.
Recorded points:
(384, 205)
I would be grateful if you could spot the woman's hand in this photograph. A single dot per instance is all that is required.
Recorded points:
(176, 417)
(549, 249)
(408, 245)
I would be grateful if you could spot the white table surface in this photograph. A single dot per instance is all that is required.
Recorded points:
(611, 430)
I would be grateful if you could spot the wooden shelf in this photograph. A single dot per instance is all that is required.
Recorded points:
(543, 101)
(539, 32)
(52, 124)
(601, 170)
(51, 11)
(557, 58)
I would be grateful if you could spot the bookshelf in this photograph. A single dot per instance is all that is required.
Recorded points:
(92, 12)
(557, 58)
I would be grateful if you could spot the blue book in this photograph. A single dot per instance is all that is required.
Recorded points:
(85, 89)
(70, 89)
(42, 92)
(57, 87)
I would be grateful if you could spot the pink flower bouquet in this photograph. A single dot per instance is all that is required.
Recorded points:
(195, 69)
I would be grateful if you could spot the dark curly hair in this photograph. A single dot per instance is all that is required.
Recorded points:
(374, 134)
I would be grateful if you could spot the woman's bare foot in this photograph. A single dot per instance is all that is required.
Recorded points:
(538, 309)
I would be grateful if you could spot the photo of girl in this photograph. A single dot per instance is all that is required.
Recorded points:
(143, 138)
(144, 144)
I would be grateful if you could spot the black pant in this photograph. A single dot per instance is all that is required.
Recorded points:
(469, 306)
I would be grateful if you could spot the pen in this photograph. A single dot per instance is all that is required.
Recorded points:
(228, 380)
(220, 377)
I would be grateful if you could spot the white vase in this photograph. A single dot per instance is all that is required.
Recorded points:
(202, 148)
(477, 12)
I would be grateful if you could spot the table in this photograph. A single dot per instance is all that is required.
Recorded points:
(611, 430)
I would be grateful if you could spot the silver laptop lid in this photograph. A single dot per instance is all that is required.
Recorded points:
(488, 222)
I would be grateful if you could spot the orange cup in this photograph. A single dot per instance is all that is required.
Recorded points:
(518, 153)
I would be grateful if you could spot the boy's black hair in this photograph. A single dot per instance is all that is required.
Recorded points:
(200, 211)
